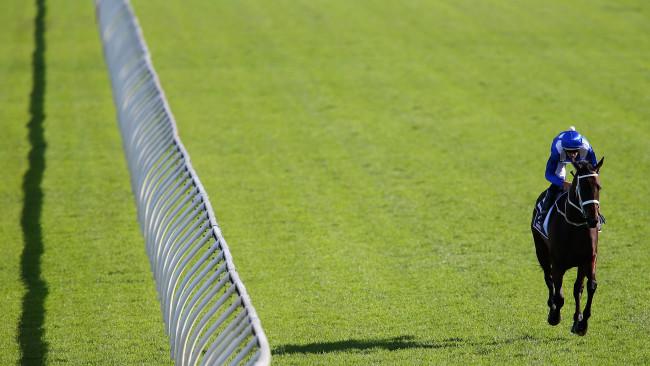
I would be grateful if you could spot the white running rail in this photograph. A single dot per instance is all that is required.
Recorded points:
(208, 314)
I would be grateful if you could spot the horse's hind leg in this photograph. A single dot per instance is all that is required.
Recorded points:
(544, 258)
(558, 298)
(577, 293)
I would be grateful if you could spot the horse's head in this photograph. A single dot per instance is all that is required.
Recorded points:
(586, 187)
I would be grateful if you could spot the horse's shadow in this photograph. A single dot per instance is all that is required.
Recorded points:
(391, 344)
(395, 343)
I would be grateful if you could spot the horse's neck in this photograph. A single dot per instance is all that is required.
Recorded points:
(571, 204)
(560, 201)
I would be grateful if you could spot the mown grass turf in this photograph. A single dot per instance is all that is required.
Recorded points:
(373, 165)
(73, 270)
(17, 38)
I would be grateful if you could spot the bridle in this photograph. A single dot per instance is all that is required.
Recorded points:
(580, 201)
(581, 204)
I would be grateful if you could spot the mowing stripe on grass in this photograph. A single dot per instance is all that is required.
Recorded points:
(383, 159)
(101, 304)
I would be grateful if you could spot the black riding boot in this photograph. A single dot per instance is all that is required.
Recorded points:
(547, 202)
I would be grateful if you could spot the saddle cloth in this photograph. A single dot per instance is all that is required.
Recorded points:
(543, 228)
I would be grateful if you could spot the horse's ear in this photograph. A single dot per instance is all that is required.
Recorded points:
(600, 164)
(575, 165)
(573, 175)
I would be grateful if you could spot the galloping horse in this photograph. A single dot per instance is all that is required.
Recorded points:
(571, 240)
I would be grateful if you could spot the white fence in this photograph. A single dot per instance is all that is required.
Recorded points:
(208, 314)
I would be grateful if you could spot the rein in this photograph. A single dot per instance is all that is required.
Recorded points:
(581, 203)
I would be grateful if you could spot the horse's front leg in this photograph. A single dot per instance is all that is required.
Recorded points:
(577, 294)
(554, 316)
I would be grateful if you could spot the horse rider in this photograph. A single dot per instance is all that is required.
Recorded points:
(566, 147)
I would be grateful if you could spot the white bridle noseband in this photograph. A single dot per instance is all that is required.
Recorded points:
(580, 201)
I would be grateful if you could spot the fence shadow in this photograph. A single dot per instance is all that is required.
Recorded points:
(30, 327)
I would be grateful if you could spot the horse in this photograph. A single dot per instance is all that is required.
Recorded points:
(571, 240)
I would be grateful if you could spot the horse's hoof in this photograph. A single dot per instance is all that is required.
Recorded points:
(579, 328)
(554, 318)
(581, 333)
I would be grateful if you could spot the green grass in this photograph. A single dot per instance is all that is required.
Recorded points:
(81, 289)
(372, 164)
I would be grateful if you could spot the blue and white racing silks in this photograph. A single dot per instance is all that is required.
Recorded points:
(555, 167)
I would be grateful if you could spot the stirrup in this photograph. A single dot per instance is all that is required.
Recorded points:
(601, 222)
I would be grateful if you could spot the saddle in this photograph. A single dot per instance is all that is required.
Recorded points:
(541, 223)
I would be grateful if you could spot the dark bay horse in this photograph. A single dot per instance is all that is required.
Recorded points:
(571, 240)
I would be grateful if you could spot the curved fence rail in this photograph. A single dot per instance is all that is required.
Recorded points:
(208, 315)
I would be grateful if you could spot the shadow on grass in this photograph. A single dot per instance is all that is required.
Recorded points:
(30, 327)
(401, 343)
(391, 344)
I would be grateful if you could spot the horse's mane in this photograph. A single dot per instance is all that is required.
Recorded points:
(585, 166)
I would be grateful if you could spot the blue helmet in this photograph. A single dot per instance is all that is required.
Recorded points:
(571, 140)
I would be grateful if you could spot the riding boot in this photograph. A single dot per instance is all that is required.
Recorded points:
(546, 204)
(543, 210)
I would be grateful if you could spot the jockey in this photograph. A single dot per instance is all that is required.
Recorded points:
(566, 147)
